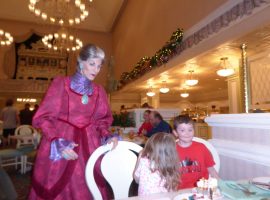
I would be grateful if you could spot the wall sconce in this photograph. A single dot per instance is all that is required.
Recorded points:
(226, 68)
(191, 81)
(164, 89)
(150, 92)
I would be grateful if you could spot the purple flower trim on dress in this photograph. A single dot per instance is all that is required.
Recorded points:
(57, 146)
(80, 84)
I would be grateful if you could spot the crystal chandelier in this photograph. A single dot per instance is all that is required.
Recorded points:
(191, 81)
(164, 89)
(62, 40)
(5, 38)
(61, 12)
(226, 68)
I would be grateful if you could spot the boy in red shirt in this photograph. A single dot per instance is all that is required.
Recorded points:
(196, 161)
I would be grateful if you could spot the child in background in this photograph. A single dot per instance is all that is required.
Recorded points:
(196, 161)
(157, 168)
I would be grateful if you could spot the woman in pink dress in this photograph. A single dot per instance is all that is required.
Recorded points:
(74, 117)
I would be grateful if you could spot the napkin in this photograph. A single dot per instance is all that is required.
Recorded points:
(232, 190)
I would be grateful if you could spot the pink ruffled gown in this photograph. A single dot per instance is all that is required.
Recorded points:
(62, 115)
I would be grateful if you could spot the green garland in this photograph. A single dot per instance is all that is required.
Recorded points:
(162, 56)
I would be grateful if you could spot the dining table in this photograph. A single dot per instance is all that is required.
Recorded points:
(140, 140)
(227, 190)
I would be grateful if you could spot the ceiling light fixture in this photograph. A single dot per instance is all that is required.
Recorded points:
(226, 68)
(184, 95)
(150, 92)
(62, 40)
(164, 89)
(191, 81)
(62, 12)
(5, 38)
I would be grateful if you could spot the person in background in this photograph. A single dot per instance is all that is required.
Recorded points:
(196, 161)
(146, 105)
(157, 168)
(123, 109)
(146, 125)
(26, 115)
(36, 106)
(9, 116)
(214, 110)
(74, 117)
(159, 125)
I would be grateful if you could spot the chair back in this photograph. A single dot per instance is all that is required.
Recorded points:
(117, 167)
(213, 151)
(25, 130)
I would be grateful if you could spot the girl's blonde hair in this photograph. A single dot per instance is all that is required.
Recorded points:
(160, 149)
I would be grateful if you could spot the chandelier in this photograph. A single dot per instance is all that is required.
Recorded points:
(61, 12)
(62, 40)
(150, 92)
(5, 38)
(226, 68)
(164, 89)
(191, 81)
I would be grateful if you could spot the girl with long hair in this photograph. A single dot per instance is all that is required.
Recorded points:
(157, 168)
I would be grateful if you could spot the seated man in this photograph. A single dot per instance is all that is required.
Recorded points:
(146, 126)
(159, 125)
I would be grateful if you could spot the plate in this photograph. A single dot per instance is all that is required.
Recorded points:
(262, 180)
(186, 196)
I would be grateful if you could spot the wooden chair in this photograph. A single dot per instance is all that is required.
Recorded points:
(117, 167)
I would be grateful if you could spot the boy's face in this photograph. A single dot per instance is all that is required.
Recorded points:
(185, 133)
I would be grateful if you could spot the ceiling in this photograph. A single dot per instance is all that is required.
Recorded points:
(102, 13)
(210, 86)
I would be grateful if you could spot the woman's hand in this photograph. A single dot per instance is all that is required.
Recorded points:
(113, 140)
(70, 154)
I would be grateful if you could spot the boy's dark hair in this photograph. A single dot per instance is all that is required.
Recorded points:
(147, 111)
(182, 119)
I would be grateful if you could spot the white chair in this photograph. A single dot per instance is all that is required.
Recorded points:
(25, 130)
(12, 157)
(117, 167)
(212, 149)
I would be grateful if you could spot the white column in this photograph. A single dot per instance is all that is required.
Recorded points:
(234, 94)
(155, 101)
